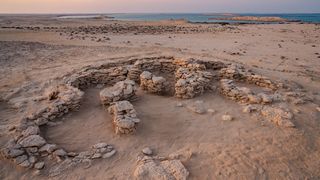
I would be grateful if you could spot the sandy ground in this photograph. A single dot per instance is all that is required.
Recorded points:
(246, 148)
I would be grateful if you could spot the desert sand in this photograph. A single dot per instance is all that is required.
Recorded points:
(211, 134)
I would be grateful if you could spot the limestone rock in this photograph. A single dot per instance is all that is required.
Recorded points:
(32, 140)
(39, 165)
(31, 130)
(48, 148)
(109, 154)
(197, 107)
(147, 151)
(227, 117)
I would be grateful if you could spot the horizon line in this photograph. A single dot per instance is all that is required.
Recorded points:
(94, 13)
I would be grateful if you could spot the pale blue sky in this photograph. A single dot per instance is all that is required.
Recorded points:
(111, 6)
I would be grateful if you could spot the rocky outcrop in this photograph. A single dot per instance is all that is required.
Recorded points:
(125, 119)
(123, 90)
(152, 83)
(154, 168)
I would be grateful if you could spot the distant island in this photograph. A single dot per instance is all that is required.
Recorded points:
(253, 18)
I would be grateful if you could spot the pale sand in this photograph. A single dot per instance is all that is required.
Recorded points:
(244, 148)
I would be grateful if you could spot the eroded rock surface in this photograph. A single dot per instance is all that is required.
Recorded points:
(280, 116)
(156, 168)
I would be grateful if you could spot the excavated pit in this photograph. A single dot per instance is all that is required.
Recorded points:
(74, 103)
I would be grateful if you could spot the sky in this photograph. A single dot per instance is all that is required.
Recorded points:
(159, 6)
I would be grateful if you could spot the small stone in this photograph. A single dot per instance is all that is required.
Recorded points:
(100, 145)
(60, 152)
(31, 130)
(318, 108)
(39, 165)
(109, 154)
(15, 152)
(32, 159)
(48, 148)
(147, 151)
(197, 107)
(249, 109)
(212, 111)
(20, 159)
(227, 117)
(179, 105)
(96, 156)
(25, 164)
(72, 154)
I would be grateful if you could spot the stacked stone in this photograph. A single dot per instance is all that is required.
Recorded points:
(125, 118)
(61, 100)
(191, 81)
(242, 94)
(27, 146)
(134, 73)
(239, 73)
(161, 65)
(123, 90)
(261, 81)
(152, 83)
(109, 76)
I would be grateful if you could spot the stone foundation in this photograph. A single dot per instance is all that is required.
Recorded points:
(191, 81)
(124, 119)
(29, 149)
(123, 90)
(152, 83)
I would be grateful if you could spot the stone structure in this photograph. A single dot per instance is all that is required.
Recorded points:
(122, 90)
(152, 83)
(237, 72)
(191, 81)
(27, 148)
(242, 94)
(124, 117)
